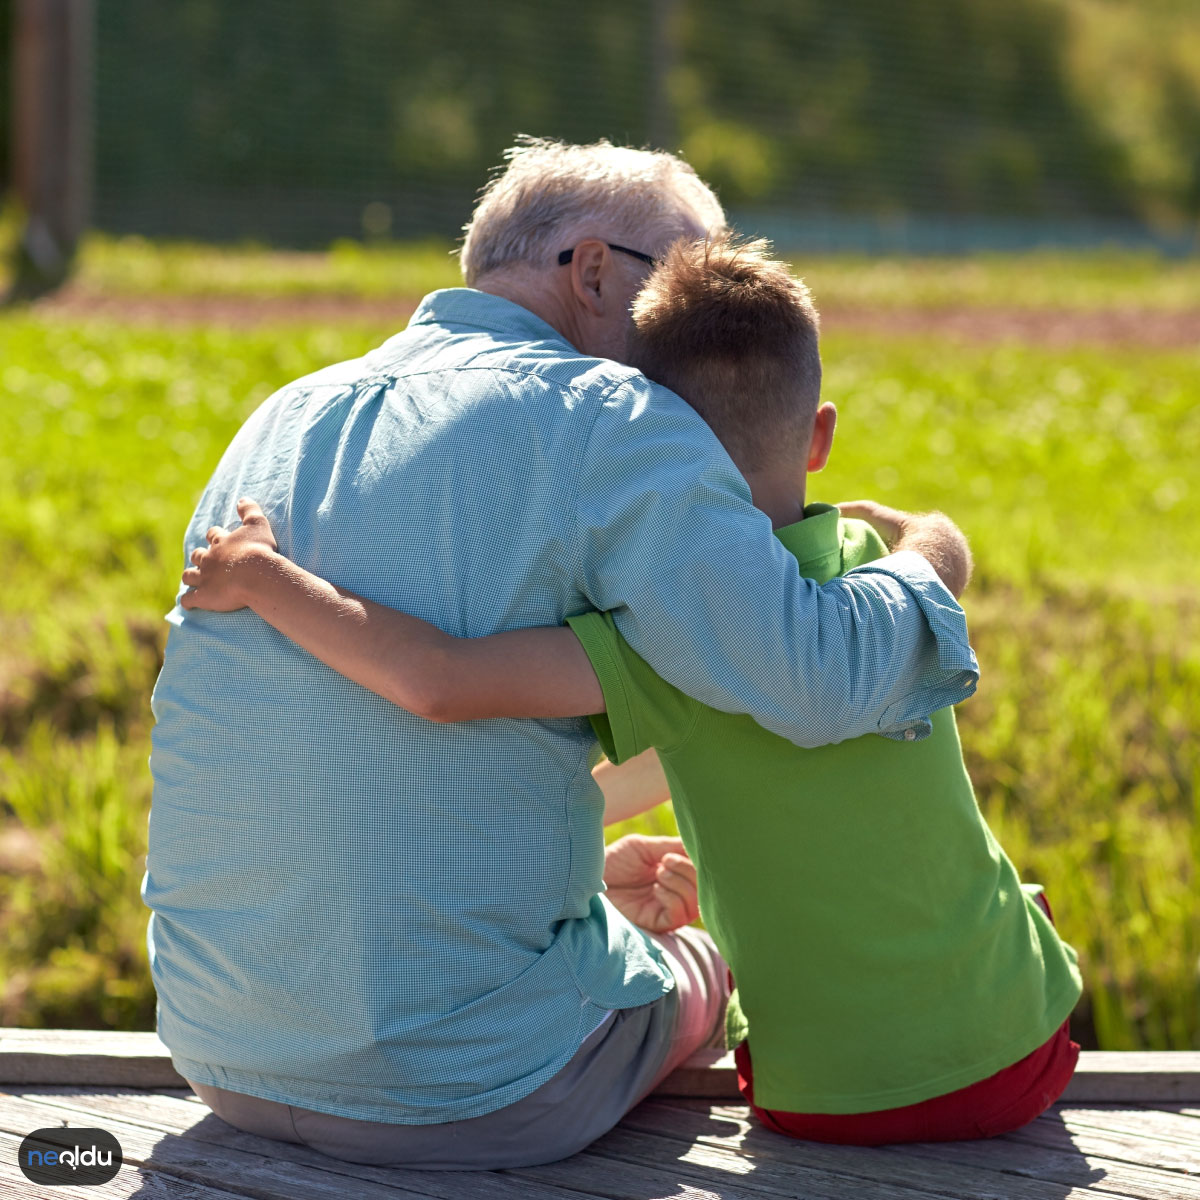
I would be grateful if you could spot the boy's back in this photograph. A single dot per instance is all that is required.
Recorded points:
(883, 947)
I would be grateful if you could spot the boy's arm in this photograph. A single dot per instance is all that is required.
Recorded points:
(631, 788)
(519, 673)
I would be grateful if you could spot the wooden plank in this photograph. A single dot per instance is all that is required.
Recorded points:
(1165, 1123)
(781, 1166)
(85, 1057)
(130, 1181)
(1080, 1157)
(1069, 1133)
(1163, 1077)
(244, 1172)
(984, 1170)
(1138, 1077)
(104, 1059)
(165, 1111)
(173, 1117)
(691, 1170)
(1019, 1167)
(1055, 1164)
(708, 1074)
(642, 1179)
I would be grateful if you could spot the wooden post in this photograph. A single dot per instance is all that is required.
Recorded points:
(52, 136)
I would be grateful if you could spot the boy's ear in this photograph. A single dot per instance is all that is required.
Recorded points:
(822, 437)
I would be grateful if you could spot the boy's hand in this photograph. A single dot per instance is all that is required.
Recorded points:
(889, 523)
(220, 573)
(932, 535)
(651, 881)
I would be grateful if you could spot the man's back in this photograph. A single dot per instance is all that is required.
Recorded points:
(356, 910)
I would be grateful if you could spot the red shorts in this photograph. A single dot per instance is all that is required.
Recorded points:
(999, 1104)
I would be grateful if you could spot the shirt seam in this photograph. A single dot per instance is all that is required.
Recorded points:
(583, 452)
(693, 725)
(600, 645)
(566, 892)
(394, 377)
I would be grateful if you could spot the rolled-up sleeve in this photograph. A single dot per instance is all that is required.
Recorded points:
(668, 540)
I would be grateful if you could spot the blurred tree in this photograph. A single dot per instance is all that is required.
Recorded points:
(330, 108)
(6, 20)
(300, 120)
(51, 96)
(943, 106)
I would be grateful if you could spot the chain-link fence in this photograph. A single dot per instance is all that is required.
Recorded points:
(883, 124)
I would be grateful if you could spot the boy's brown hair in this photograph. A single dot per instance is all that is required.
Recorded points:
(731, 330)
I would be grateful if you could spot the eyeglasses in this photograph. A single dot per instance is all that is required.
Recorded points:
(566, 256)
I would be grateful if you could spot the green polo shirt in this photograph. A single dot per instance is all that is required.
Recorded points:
(884, 948)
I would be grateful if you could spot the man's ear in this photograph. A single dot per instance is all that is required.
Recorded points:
(822, 437)
(591, 266)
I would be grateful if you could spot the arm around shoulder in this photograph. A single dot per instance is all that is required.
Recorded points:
(405, 660)
(670, 542)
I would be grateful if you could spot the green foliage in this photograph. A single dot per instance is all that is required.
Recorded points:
(1071, 470)
(944, 106)
(304, 120)
(6, 26)
(74, 928)
(1081, 743)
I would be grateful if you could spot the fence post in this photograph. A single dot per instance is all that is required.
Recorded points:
(52, 137)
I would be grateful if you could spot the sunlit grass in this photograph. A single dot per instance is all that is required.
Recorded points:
(134, 266)
(1039, 280)
(1073, 472)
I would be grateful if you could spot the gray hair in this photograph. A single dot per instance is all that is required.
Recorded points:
(549, 194)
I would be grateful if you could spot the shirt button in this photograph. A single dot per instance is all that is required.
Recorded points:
(910, 735)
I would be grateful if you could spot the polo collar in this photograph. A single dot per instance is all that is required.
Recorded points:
(815, 542)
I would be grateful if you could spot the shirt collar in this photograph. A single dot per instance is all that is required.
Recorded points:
(816, 541)
(480, 310)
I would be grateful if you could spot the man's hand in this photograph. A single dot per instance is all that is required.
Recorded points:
(220, 572)
(651, 881)
(932, 535)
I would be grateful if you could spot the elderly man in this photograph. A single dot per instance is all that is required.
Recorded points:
(386, 938)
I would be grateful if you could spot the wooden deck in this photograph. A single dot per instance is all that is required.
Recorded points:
(1128, 1127)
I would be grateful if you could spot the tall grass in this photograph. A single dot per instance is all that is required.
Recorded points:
(1071, 470)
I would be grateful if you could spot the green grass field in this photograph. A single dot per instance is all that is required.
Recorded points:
(1073, 471)
(132, 266)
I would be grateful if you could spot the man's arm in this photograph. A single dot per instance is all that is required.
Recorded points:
(520, 673)
(669, 542)
(931, 535)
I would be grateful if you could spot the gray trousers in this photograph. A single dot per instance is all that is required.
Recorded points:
(631, 1051)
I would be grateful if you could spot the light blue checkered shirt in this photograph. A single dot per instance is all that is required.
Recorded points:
(367, 914)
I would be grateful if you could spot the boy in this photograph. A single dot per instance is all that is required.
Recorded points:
(895, 981)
